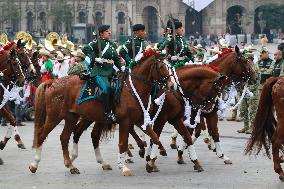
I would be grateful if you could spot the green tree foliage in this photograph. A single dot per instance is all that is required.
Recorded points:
(9, 12)
(272, 16)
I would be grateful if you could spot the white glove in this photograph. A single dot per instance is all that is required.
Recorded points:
(122, 68)
(174, 58)
(99, 60)
(164, 51)
(1, 74)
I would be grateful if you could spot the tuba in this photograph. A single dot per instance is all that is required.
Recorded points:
(4, 39)
(51, 41)
(67, 44)
(27, 38)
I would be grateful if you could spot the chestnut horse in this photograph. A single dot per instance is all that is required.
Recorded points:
(12, 72)
(57, 100)
(197, 80)
(27, 69)
(266, 129)
(237, 69)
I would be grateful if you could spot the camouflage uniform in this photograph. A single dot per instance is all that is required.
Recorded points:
(249, 105)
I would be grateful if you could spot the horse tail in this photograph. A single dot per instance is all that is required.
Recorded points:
(264, 123)
(40, 111)
(108, 132)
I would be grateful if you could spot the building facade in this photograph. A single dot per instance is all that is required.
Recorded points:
(234, 16)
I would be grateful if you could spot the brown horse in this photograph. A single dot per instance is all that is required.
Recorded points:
(198, 82)
(237, 69)
(27, 69)
(12, 72)
(57, 100)
(266, 128)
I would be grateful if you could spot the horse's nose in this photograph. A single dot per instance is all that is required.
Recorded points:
(170, 85)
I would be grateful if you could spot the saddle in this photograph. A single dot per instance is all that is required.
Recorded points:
(91, 90)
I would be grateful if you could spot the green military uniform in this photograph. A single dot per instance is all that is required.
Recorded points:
(182, 50)
(126, 51)
(249, 104)
(103, 72)
(277, 67)
(265, 67)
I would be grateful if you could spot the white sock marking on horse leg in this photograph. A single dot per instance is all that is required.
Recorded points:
(212, 143)
(149, 149)
(37, 157)
(219, 150)
(182, 147)
(9, 132)
(194, 139)
(192, 153)
(174, 134)
(120, 162)
(16, 131)
(74, 153)
(154, 151)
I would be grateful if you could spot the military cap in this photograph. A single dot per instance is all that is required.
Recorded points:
(103, 28)
(138, 27)
(177, 24)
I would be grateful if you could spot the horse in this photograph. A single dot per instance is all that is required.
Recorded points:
(237, 69)
(267, 129)
(11, 70)
(57, 100)
(27, 69)
(197, 80)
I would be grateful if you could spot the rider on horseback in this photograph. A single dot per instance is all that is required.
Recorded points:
(104, 59)
(177, 50)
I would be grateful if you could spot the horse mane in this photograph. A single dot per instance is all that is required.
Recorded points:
(196, 71)
(222, 56)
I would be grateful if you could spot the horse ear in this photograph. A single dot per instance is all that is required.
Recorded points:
(237, 49)
(19, 42)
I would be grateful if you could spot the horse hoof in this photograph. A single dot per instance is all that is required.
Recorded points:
(214, 150)
(206, 140)
(149, 169)
(74, 171)
(22, 146)
(173, 146)
(163, 152)
(107, 167)
(145, 144)
(155, 169)
(129, 153)
(148, 158)
(127, 173)
(281, 178)
(129, 161)
(130, 146)
(2, 145)
(142, 153)
(32, 169)
(198, 168)
(181, 161)
(228, 162)
(1, 162)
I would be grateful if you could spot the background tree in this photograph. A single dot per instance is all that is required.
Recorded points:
(9, 14)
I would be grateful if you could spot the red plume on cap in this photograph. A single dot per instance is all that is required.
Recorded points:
(2, 51)
(9, 45)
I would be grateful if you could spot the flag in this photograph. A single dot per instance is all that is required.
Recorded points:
(197, 5)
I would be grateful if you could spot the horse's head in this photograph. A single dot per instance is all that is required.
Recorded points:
(153, 67)
(10, 68)
(23, 56)
(243, 69)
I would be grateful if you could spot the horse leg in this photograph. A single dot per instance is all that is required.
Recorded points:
(174, 139)
(70, 123)
(123, 147)
(141, 135)
(40, 136)
(9, 116)
(78, 131)
(96, 135)
(212, 121)
(277, 142)
(139, 142)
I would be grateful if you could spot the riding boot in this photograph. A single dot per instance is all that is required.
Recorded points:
(110, 117)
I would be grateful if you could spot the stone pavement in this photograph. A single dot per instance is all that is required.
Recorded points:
(245, 172)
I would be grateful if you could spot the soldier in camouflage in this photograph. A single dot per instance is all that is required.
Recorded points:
(249, 104)
(126, 51)
(278, 64)
(265, 65)
(103, 65)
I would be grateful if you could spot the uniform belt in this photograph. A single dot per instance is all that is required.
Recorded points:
(109, 61)
(181, 58)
